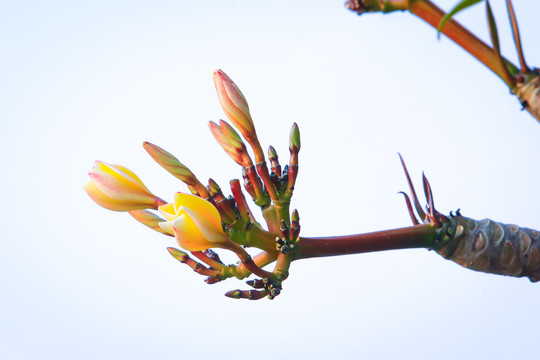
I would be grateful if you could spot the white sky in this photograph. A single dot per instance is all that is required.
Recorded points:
(85, 81)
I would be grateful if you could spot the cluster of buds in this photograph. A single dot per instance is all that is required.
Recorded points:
(290, 235)
(205, 218)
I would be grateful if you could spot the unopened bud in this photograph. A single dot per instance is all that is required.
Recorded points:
(234, 104)
(213, 187)
(170, 163)
(294, 141)
(295, 217)
(235, 294)
(149, 219)
(178, 255)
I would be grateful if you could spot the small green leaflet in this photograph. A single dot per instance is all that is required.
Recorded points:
(462, 5)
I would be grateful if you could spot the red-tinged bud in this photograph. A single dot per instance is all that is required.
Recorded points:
(295, 226)
(295, 217)
(170, 163)
(256, 283)
(232, 136)
(214, 187)
(274, 161)
(117, 188)
(230, 142)
(178, 255)
(234, 294)
(247, 294)
(294, 142)
(272, 154)
(149, 219)
(212, 280)
(234, 104)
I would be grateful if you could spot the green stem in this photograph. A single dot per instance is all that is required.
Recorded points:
(270, 216)
(240, 271)
(262, 239)
(420, 236)
(282, 266)
(253, 237)
(282, 211)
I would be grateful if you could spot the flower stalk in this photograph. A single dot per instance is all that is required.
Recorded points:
(421, 236)
(207, 219)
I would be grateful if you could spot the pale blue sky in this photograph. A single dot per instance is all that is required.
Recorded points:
(85, 81)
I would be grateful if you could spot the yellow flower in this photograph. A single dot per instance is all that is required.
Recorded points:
(194, 222)
(117, 188)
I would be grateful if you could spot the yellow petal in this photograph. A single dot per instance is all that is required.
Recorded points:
(109, 203)
(199, 205)
(188, 235)
(131, 174)
(168, 211)
(209, 231)
(167, 227)
(117, 189)
(121, 174)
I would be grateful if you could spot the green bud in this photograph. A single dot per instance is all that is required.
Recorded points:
(214, 187)
(178, 255)
(295, 216)
(235, 294)
(294, 141)
(272, 154)
(232, 135)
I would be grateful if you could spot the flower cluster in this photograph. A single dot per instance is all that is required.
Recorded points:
(206, 219)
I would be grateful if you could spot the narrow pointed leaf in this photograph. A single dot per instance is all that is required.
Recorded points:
(507, 77)
(517, 39)
(493, 29)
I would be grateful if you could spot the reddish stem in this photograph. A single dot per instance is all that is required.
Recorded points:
(241, 203)
(431, 14)
(420, 236)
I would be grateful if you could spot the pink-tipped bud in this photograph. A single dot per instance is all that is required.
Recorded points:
(117, 188)
(234, 104)
(231, 142)
(170, 163)
(149, 219)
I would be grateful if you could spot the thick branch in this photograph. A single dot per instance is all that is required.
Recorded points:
(420, 236)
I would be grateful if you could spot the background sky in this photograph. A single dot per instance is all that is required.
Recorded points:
(84, 81)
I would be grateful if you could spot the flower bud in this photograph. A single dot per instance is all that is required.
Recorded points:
(117, 188)
(272, 155)
(178, 255)
(294, 140)
(170, 163)
(149, 219)
(234, 104)
(194, 222)
(231, 142)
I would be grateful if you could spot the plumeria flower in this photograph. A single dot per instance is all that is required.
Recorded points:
(194, 222)
(117, 188)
